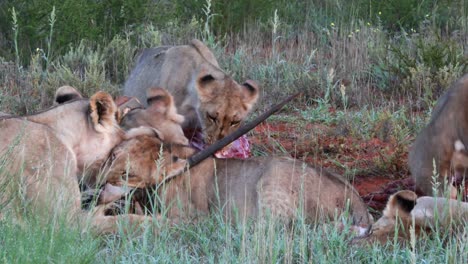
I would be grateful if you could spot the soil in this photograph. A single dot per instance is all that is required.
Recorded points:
(377, 168)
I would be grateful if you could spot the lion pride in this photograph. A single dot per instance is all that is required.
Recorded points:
(44, 155)
(205, 95)
(243, 188)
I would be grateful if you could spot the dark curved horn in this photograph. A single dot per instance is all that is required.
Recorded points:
(210, 150)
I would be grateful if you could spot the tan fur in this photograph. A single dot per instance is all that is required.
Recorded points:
(449, 122)
(406, 210)
(137, 163)
(249, 187)
(205, 95)
(160, 114)
(46, 153)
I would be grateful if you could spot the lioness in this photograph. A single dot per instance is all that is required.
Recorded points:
(208, 98)
(405, 210)
(160, 113)
(45, 153)
(250, 187)
(449, 122)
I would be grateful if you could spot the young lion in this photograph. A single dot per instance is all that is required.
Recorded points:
(404, 209)
(160, 113)
(208, 98)
(449, 122)
(248, 187)
(45, 153)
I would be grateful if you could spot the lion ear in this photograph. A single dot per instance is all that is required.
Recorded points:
(65, 94)
(102, 112)
(207, 81)
(204, 51)
(143, 131)
(251, 92)
(401, 204)
(160, 100)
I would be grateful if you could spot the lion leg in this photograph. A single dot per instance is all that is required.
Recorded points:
(101, 224)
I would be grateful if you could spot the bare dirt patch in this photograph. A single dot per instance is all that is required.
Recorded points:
(376, 168)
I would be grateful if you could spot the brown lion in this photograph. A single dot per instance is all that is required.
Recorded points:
(205, 95)
(161, 114)
(434, 144)
(44, 156)
(405, 211)
(283, 187)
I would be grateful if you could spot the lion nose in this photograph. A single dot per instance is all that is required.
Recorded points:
(224, 132)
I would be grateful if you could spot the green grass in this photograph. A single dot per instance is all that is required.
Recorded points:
(213, 241)
(36, 242)
(375, 79)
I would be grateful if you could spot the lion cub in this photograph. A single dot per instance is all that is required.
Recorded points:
(404, 208)
(283, 187)
(159, 114)
(205, 95)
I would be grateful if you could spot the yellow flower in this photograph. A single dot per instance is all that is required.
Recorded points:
(380, 13)
(368, 23)
(332, 24)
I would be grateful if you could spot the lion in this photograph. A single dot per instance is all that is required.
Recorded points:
(434, 144)
(405, 211)
(160, 112)
(205, 95)
(44, 156)
(282, 187)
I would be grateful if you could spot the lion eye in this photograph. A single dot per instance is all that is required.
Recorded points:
(126, 175)
(212, 118)
(235, 123)
(175, 159)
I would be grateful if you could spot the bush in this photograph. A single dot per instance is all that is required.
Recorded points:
(96, 21)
